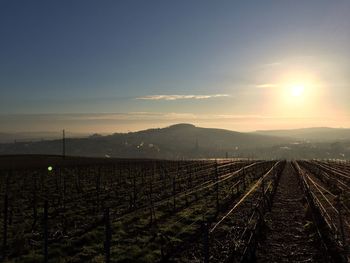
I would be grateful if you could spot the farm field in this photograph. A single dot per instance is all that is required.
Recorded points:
(138, 210)
(174, 131)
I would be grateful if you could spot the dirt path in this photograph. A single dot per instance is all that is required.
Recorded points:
(289, 237)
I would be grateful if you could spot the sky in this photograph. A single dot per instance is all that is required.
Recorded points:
(116, 66)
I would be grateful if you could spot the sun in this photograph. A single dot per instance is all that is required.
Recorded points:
(297, 90)
(297, 94)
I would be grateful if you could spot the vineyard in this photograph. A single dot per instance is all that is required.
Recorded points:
(123, 210)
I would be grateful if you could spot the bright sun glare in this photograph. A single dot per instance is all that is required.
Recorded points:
(297, 90)
(295, 97)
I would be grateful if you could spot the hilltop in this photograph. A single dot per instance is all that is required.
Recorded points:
(188, 141)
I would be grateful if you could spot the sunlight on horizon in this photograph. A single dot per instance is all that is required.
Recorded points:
(299, 94)
(297, 90)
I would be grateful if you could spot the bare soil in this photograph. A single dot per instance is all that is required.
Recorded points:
(289, 235)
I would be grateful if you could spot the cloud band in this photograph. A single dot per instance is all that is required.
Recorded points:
(181, 97)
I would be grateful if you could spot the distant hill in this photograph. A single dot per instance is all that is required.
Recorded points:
(189, 141)
(34, 136)
(177, 141)
(319, 134)
(187, 136)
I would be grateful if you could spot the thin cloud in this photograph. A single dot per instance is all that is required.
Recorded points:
(273, 64)
(266, 85)
(181, 97)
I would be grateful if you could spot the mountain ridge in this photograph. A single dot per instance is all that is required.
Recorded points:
(188, 141)
(320, 134)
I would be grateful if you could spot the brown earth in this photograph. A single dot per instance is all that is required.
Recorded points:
(289, 233)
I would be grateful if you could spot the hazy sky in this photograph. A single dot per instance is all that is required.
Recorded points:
(110, 66)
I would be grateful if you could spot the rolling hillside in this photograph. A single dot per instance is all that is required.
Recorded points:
(319, 134)
(188, 141)
(177, 141)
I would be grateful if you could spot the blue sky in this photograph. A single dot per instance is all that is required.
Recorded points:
(196, 61)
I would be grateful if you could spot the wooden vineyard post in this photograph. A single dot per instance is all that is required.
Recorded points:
(174, 193)
(263, 193)
(134, 190)
(108, 235)
(35, 214)
(151, 208)
(6, 216)
(120, 177)
(98, 184)
(56, 181)
(244, 184)
(340, 219)
(217, 187)
(46, 258)
(4, 242)
(76, 180)
(143, 175)
(114, 175)
(64, 190)
(205, 227)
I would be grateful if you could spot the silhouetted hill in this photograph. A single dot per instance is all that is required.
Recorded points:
(317, 134)
(188, 141)
(34, 136)
(177, 141)
(187, 137)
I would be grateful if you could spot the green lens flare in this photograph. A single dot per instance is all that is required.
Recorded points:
(49, 168)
